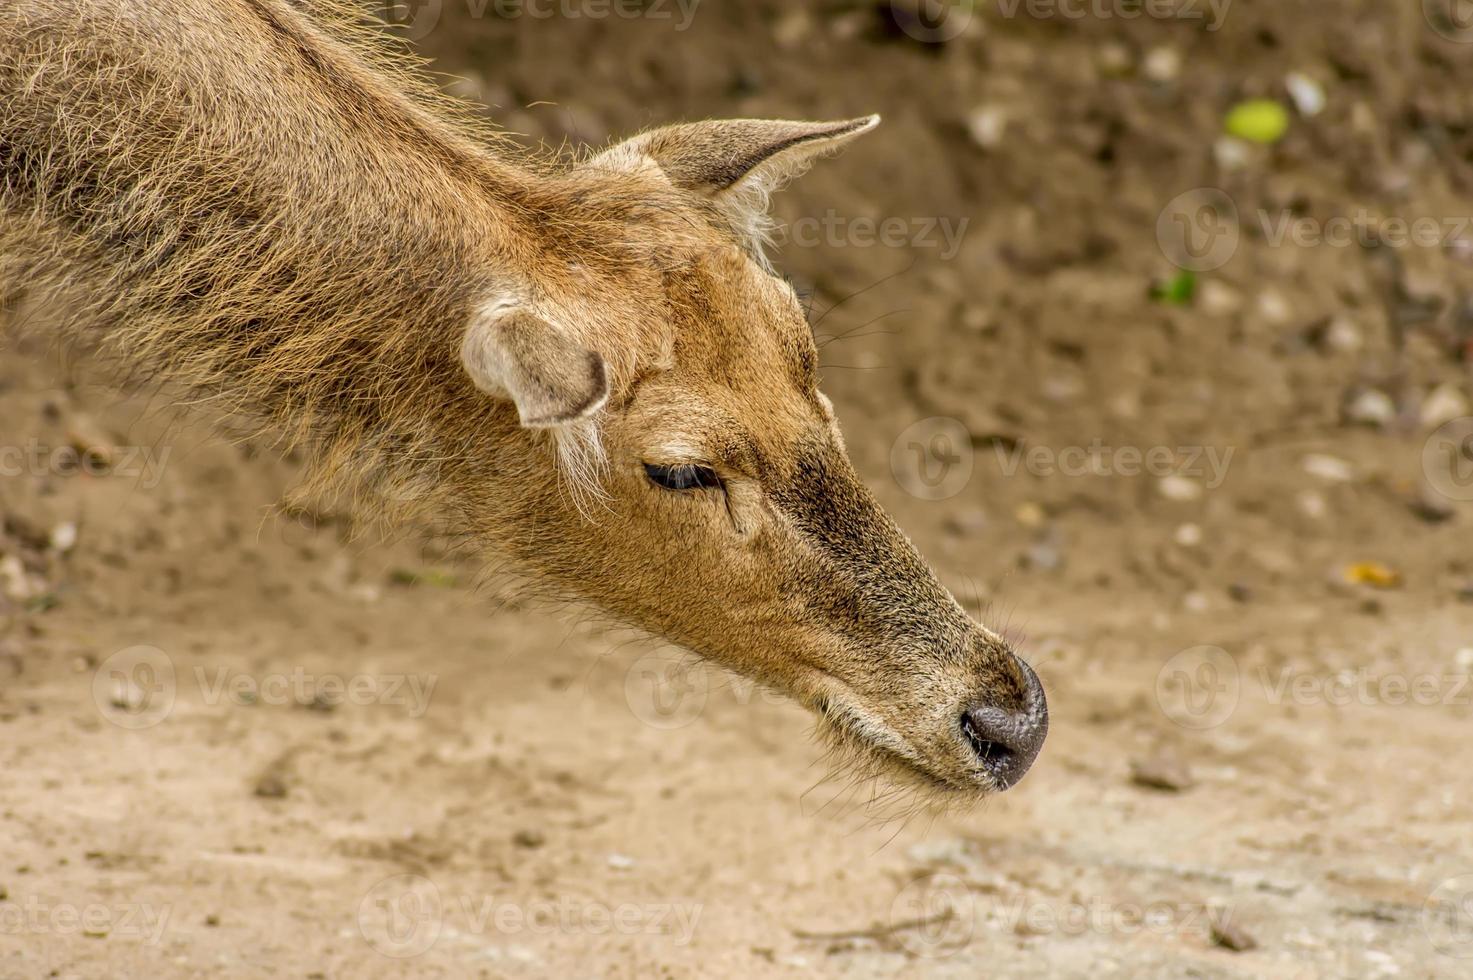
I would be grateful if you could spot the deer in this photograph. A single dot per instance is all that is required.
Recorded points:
(586, 363)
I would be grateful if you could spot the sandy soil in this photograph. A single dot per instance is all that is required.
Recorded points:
(241, 739)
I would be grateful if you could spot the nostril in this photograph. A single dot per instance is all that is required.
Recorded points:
(1006, 742)
(992, 753)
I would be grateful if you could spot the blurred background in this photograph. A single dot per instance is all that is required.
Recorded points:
(1151, 322)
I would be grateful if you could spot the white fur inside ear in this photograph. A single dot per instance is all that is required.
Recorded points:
(510, 352)
(480, 355)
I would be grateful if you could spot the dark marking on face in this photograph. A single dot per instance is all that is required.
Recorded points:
(892, 594)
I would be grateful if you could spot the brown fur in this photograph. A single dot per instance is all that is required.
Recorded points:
(272, 210)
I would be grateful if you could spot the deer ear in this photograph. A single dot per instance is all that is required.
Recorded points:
(736, 162)
(723, 155)
(510, 352)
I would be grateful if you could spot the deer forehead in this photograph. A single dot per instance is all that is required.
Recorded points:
(736, 325)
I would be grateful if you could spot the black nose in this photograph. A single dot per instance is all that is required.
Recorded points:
(1007, 741)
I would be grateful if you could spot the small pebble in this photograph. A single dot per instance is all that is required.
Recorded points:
(1231, 936)
(1164, 771)
(792, 28)
(1188, 535)
(1442, 405)
(1061, 388)
(1218, 298)
(1162, 64)
(1307, 94)
(1115, 59)
(1180, 488)
(1232, 154)
(1274, 308)
(1029, 515)
(621, 862)
(529, 838)
(1331, 469)
(1431, 506)
(1312, 504)
(987, 125)
(91, 441)
(1343, 336)
(63, 538)
(1371, 407)
(271, 787)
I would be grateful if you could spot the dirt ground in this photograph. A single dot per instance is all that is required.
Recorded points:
(1225, 516)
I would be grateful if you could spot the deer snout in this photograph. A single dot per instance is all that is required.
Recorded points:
(1007, 740)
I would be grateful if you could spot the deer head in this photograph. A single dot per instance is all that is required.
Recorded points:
(695, 482)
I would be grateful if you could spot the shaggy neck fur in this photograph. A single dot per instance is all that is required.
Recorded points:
(276, 212)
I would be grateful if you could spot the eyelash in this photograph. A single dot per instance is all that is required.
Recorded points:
(683, 477)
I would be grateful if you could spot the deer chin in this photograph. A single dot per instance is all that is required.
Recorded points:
(967, 751)
(865, 751)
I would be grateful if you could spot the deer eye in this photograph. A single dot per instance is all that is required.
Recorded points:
(686, 476)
